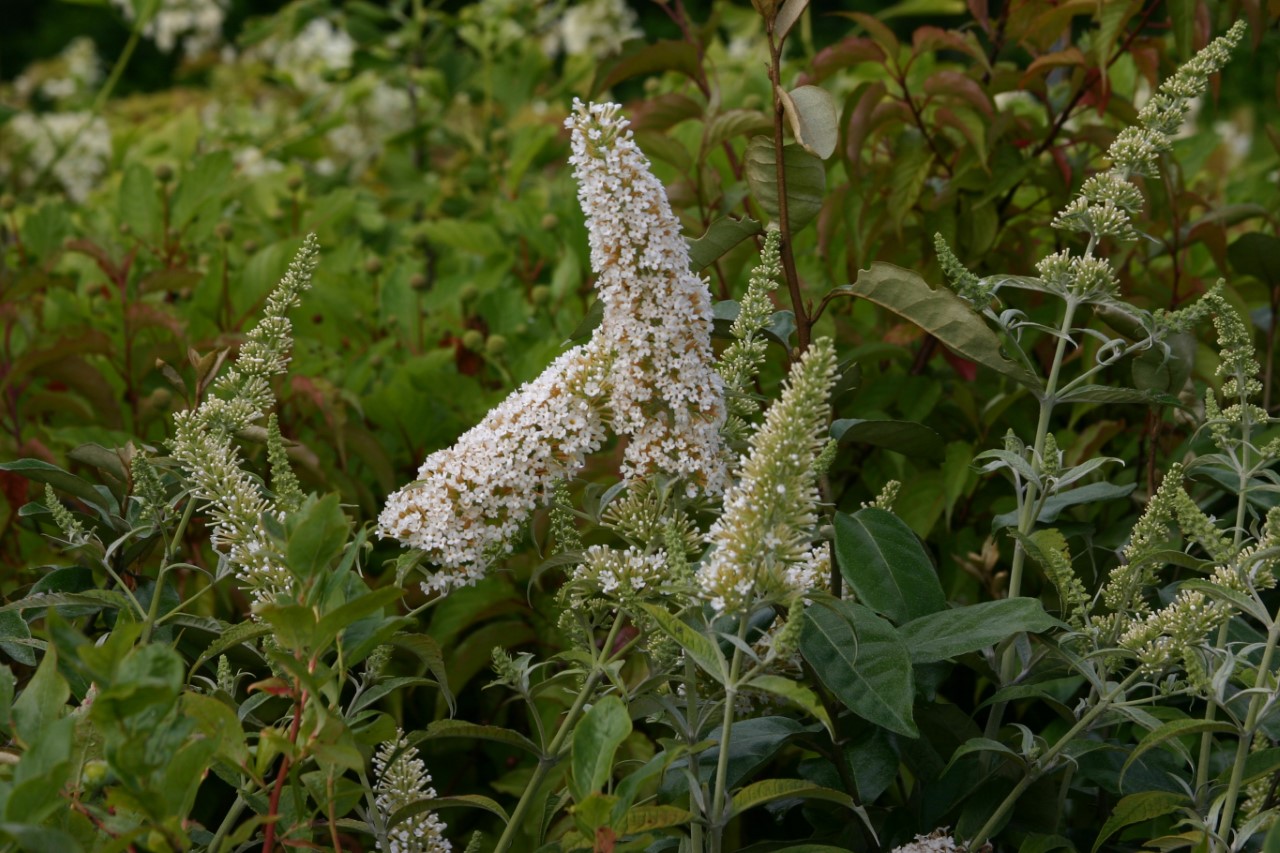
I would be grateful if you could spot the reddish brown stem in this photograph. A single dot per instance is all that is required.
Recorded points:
(273, 810)
(804, 326)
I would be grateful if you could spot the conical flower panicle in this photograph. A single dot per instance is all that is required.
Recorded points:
(664, 394)
(403, 779)
(763, 540)
(646, 372)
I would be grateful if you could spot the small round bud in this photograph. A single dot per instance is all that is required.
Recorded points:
(468, 292)
(651, 85)
(373, 266)
(7, 202)
(549, 221)
(161, 398)
(472, 339)
(249, 246)
(520, 329)
(294, 183)
(223, 230)
(495, 345)
(540, 295)
(94, 774)
(164, 173)
(418, 281)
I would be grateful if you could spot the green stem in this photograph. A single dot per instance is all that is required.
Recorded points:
(551, 756)
(1045, 763)
(726, 729)
(1030, 501)
(1256, 703)
(228, 821)
(171, 548)
(693, 721)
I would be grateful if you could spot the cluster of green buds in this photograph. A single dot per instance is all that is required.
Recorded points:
(741, 360)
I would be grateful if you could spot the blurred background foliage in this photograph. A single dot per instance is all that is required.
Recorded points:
(157, 183)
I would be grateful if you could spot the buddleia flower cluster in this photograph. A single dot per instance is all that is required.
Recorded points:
(204, 439)
(646, 374)
(763, 540)
(402, 780)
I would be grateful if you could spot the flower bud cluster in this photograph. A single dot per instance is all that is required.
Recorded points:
(621, 572)
(403, 779)
(741, 360)
(203, 439)
(762, 540)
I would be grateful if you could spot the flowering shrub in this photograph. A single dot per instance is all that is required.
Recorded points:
(738, 569)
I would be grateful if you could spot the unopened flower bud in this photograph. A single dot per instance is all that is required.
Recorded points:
(472, 339)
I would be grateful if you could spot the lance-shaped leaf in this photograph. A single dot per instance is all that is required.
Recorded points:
(939, 312)
(805, 176)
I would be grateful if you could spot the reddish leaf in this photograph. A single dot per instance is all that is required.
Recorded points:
(860, 123)
(275, 686)
(663, 112)
(843, 54)
(1058, 59)
(655, 58)
(931, 38)
(958, 85)
(879, 33)
(966, 369)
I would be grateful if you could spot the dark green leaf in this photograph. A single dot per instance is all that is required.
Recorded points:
(1053, 507)
(14, 627)
(860, 659)
(906, 437)
(596, 738)
(805, 175)
(698, 646)
(939, 312)
(886, 565)
(721, 236)
(769, 790)
(794, 692)
(1137, 808)
(950, 633)
(317, 533)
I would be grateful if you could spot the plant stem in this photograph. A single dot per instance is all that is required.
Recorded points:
(1256, 703)
(171, 547)
(804, 326)
(228, 821)
(1045, 762)
(693, 720)
(551, 756)
(726, 729)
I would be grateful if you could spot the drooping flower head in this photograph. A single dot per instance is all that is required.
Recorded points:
(664, 394)
(647, 373)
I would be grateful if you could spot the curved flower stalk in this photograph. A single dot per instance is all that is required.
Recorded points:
(646, 373)
(403, 779)
(664, 394)
(763, 539)
(204, 438)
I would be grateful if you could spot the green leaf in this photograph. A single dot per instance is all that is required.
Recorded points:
(14, 627)
(939, 312)
(317, 533)
(139, 203)
(699, 647)
(641, 819)
(470, 801)
(640, 58)
(906, 437)
(814, 120)
(860, 659)
(1170, 731)
(343, 617)
(949, 633)
(478, 238)
(40, 839)
(721, 236)
(1137, 808)
(912, 165)
(886, 565)
(200, 184)
(787, 16)
(805, 175)
(795, 693)
(235, 635)
(769, 790)
(1053, 507)
(1258, 255)
(40, 471)
(1108, 394)
(496, 734)
(45, 697)
(595, 741)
